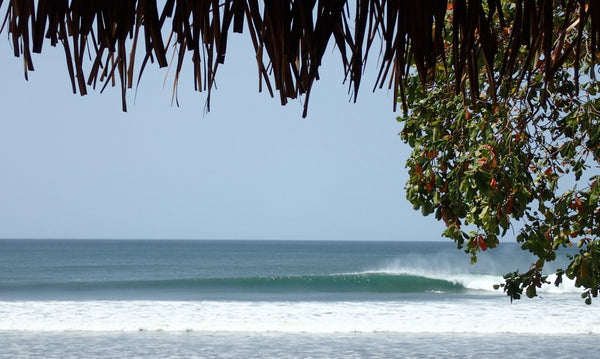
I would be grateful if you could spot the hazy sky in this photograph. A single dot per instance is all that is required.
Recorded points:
(78, 167)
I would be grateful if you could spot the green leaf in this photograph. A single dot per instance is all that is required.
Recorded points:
(531, 291)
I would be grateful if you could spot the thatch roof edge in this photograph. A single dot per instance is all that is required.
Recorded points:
(292, 36)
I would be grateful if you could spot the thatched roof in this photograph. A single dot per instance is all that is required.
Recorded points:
(290, 38)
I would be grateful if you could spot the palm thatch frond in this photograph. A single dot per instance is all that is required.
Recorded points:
(292, 36)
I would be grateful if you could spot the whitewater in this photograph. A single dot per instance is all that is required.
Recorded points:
(474, 315)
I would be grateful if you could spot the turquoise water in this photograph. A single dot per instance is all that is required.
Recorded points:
(196, 270)
(267, 270)
(67, 298)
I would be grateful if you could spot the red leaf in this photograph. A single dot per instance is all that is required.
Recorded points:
(482, 243)
(578, 204)
(494, 184)
(509, 205)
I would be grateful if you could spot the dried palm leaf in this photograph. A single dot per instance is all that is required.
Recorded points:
(292, 36)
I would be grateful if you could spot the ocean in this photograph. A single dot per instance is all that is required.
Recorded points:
(279, 299)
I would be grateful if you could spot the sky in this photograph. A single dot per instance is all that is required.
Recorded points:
(78, 167)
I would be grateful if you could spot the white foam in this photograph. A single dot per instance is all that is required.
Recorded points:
(483, 314)
(480, 282)
(484, 282)
(566, 287)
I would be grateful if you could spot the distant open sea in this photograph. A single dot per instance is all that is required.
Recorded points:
(279, 299)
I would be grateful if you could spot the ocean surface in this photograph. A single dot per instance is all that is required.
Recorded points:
(279, 299)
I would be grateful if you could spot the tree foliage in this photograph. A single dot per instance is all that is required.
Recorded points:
(517, 161)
